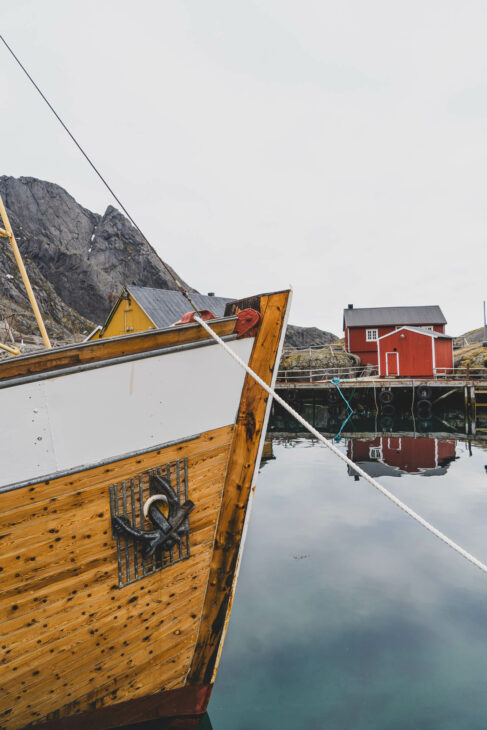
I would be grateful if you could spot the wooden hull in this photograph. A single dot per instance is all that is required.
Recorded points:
(93, 634)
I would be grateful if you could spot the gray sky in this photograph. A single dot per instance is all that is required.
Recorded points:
(340, 147)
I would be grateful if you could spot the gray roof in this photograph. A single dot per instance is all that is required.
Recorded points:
(164, 306)
(393, 315)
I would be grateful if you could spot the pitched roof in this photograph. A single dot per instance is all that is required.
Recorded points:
(164, 306)
(392, 316)
(419, 331)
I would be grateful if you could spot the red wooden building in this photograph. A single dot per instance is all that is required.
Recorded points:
(363, 327)
(413, 352)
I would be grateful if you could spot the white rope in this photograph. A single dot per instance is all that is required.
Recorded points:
(464, 553)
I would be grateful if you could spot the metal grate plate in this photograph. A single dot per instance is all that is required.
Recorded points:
(127, 499)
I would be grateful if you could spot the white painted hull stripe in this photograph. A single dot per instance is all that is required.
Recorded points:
(69, 421)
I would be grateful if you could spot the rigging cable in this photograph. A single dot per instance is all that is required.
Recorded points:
(105, 183)
(437, 533)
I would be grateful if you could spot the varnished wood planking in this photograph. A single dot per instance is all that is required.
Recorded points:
(236, 493)
(83, 354)
(206, 467)
(175, 639)
(122, 654)
(113, 650)
(12, 599)
(78, 698)
(76, 679)
(41, 527)
(53, 625)
(116, 692)
(136, 681)
(75, 607)
(67, 552)
(55, 534)
(21, 600)
(101, 613)
(30, 567)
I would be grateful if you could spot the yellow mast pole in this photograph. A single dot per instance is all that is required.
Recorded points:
(8, 233)
(10, 349)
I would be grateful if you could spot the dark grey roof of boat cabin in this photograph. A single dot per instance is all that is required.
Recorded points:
(165, 306)
(363, 317)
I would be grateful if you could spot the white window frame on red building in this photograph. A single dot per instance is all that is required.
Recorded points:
(371, 332)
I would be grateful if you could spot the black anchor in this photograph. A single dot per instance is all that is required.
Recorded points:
(168, 530)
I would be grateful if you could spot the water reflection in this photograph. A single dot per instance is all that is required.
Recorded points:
(335, 421)
(397, 455)
(347, 614)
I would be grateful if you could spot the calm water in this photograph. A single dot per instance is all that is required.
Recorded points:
(348, 615)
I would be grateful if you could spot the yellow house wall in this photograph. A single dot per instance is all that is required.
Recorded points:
(128, 317)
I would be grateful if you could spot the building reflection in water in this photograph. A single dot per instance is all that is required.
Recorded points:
(396, 455)
(381, 445)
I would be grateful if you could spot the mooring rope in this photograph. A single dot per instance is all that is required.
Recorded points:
(437, 533)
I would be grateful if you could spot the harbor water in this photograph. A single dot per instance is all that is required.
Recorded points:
(348, 614)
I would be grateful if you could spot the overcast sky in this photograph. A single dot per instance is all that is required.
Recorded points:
(340, 147)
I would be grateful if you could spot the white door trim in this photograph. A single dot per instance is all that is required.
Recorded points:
(397, 361)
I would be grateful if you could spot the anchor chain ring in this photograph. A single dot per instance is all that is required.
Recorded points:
(167, 531)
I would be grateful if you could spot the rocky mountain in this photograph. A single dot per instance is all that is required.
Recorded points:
(472, 336)
(299, 337)
(77, 260)
(469, 351)
(62, 322)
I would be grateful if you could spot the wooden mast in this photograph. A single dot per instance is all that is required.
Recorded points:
(8, 233)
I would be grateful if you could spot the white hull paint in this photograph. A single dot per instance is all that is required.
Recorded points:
(79, 419)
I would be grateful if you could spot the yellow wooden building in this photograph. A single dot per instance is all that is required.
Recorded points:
(140, 308)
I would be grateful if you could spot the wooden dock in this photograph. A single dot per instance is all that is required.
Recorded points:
(480, 386)
(470, 395)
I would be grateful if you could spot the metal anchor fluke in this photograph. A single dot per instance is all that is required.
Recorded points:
(142, 551)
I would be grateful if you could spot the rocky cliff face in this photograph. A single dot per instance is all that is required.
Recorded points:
(62, 322)
(299, 337)
(78, 260)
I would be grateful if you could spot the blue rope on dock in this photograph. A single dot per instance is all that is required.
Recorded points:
(338, 437)
(335, 382)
